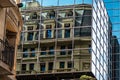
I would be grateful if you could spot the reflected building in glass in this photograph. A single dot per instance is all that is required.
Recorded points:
(64, 40)
(113, 8)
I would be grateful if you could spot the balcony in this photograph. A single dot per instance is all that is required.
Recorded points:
(6, 57)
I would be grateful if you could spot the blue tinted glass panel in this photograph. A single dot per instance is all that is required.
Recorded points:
(66, 2)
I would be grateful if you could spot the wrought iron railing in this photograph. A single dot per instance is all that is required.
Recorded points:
(6, 53)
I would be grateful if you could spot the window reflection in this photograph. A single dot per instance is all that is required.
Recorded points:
(42, 67)
(43, 50)
(63, 52)
(59, 34)
(51, 50)
(62, 64)
(48, 31)
(32, 54)
(30, 36)
(25, 52)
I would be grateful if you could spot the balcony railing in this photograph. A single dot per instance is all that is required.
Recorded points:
(6, 53)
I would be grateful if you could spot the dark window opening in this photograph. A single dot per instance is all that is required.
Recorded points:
(24, 67)
(78, 21)
(70, 51)
(25, 52)
(50, 67)
(63, 52)
(34, 16)
(42, 67)
(51, 50)
(33, 52)
(59, 25)
(89, 49)
(52, 14)
(31, 67)
(87, 19)
(62, 64)
(43, 51)
(30, 36)
(85, 31)
(69, 13)
(77, 32)
(37, 26)
(48, 31)
(36, 36)
(59, 33)
(67, 33)
(69, 64)
(41, 34)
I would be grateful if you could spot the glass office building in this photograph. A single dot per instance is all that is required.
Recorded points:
(64, 40)
(113, 8)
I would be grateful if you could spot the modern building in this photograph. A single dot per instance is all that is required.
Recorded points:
(64, 41)
(10, 26)
(113, 10)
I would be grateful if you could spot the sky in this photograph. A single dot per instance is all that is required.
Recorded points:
(60, 2)
(113, 8)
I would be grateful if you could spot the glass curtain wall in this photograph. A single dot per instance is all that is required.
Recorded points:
(113, 9)
(42, 25)
(100, 40)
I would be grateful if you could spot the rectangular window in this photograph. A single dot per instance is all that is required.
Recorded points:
(50, 66)
(63, 52)
(48, 31)
(69, 64)
(70, 49)
(59, 34)
(59, 25)
(30, 36)
(69, 13)
(42, 67)
(67, 33)
(85, 31)
(41, 34)
(77, 32)
(34, 15)
(24, 67)
(62, 64)
(51, 50)
(52, 14)
(31, 66)
(25, 52)
(36, 35)
(43, 50)
(86, 21)
(32, 54)
(89, 50)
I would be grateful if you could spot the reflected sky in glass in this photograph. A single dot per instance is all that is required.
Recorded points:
(63, 2)
(47, 3)
(113, 8)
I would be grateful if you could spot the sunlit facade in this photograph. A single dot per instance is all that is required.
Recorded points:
(10, 26)
(63, 40)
